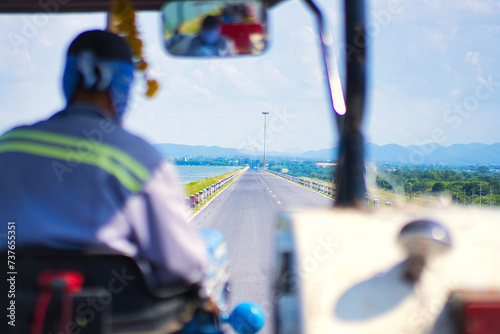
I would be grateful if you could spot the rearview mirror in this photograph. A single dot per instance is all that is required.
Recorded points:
(214, 28)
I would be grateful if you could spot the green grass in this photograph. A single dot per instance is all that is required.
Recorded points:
(382, 194)
(197, 186)
(417, 199)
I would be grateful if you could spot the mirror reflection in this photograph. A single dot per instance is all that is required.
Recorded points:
(214, 28)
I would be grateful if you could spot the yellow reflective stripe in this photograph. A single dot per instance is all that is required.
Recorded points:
(102, 161)
(126, 160)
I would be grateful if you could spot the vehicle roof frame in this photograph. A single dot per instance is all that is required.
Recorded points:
(86, 6)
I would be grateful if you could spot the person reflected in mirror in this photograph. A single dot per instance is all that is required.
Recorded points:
(178, 43)
(240, 25)
(209, 42)
(238, 13)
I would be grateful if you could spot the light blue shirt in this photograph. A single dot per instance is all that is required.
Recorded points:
(78, 181)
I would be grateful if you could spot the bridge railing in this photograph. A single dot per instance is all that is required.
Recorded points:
(321, 187)
(196, 200)
(328, 189)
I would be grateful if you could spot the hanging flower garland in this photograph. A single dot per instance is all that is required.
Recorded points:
(123, 22)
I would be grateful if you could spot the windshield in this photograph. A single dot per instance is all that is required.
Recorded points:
(434, 97)
(431, 112)
(431, 134)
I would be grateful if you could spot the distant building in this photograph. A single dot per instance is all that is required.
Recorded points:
(325, 164)
(284, 170)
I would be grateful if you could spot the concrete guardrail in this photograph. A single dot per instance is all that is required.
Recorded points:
(324, 188)
(193, 201)
(320, 187)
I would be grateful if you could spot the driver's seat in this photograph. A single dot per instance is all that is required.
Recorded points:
(110, 294)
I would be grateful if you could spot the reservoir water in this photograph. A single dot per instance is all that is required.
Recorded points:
(188, 174)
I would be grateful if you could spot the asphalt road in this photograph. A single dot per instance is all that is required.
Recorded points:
(246, 213)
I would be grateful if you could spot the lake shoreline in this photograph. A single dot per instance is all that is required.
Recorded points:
(192, 173)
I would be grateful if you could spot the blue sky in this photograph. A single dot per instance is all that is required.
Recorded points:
(435, 77)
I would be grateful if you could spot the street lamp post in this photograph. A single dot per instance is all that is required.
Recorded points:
(480, 193)
(265, 113)
(255, 157)
(490, 195)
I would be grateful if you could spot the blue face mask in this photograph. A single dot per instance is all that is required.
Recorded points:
(117, 76)
(210, 36)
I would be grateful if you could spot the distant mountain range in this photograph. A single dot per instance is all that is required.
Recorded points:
(458, 154)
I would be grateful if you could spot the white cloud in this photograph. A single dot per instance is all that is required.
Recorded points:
(455, 92)
(182, 86)
(276, 74)
(200, 90)
(476, 6)
(493, 29)
(18, 61)
(379, 98)
(440, 38)
(473, 58)
(309, 34)
(243, 79)
(309, 58)
(495, 3)
(199, 75)
(433, 4)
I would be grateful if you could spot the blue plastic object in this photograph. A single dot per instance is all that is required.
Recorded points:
(247, 318)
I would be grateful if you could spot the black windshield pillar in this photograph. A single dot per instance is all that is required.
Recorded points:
(350, 181)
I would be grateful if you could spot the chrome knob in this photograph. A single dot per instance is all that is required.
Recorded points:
(422, 239)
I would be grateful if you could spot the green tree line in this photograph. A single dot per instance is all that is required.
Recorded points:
(304, 169)
(465, 186)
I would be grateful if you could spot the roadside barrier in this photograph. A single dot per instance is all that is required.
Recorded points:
(197, 199)
(324, 188)
(320, 187)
